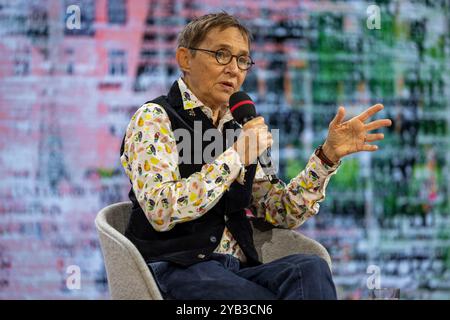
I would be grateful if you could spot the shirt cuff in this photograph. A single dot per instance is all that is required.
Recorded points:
(322, 167)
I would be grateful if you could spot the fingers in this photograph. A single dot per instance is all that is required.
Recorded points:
(258, 135)
(252, 142)
(378, 124)
(369, 147)
(258, 138)
(340, 115)
(371, 138)
(255, 122)
(265, 139)
(374, 137)
(370, 112)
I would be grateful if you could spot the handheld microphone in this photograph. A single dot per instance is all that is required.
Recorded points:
(243, 110)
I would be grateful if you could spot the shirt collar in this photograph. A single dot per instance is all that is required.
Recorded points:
(190, 101)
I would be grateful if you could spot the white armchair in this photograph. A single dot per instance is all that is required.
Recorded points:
(129, 276)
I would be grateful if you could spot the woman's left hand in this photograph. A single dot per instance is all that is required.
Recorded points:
(352, 136)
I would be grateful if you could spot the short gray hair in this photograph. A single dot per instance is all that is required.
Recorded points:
(196, 30)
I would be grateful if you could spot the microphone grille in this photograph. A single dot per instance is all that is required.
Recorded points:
(241, 106)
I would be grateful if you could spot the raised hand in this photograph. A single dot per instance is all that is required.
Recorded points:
(354, 135)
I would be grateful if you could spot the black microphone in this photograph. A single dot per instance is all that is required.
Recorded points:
(243, 110)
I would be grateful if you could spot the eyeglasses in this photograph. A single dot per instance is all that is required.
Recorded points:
(224, 57)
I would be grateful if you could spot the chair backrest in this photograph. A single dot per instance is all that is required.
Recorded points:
(128, 275)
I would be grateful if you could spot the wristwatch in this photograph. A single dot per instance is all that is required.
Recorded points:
(321, 155)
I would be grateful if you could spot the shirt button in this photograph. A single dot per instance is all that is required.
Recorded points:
(225, 217)
(213, 239)
(201, 256)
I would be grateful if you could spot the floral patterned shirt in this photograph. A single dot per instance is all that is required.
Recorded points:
(150, 160)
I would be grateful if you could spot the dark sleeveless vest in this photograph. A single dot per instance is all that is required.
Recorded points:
(194, 241)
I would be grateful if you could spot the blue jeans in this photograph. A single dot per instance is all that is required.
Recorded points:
(295, 277)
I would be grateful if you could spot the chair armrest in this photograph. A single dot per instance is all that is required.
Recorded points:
(272, 244)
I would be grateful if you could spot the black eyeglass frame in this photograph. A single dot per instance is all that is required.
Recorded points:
(231, 57)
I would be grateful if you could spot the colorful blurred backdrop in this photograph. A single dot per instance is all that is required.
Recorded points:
(67, 93)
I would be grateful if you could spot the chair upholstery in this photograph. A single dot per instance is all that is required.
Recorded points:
(129, 276)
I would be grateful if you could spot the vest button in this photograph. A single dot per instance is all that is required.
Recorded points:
(225, 217)
(213, 239)
(201, 256)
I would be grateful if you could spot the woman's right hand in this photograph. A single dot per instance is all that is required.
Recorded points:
(254, 139)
